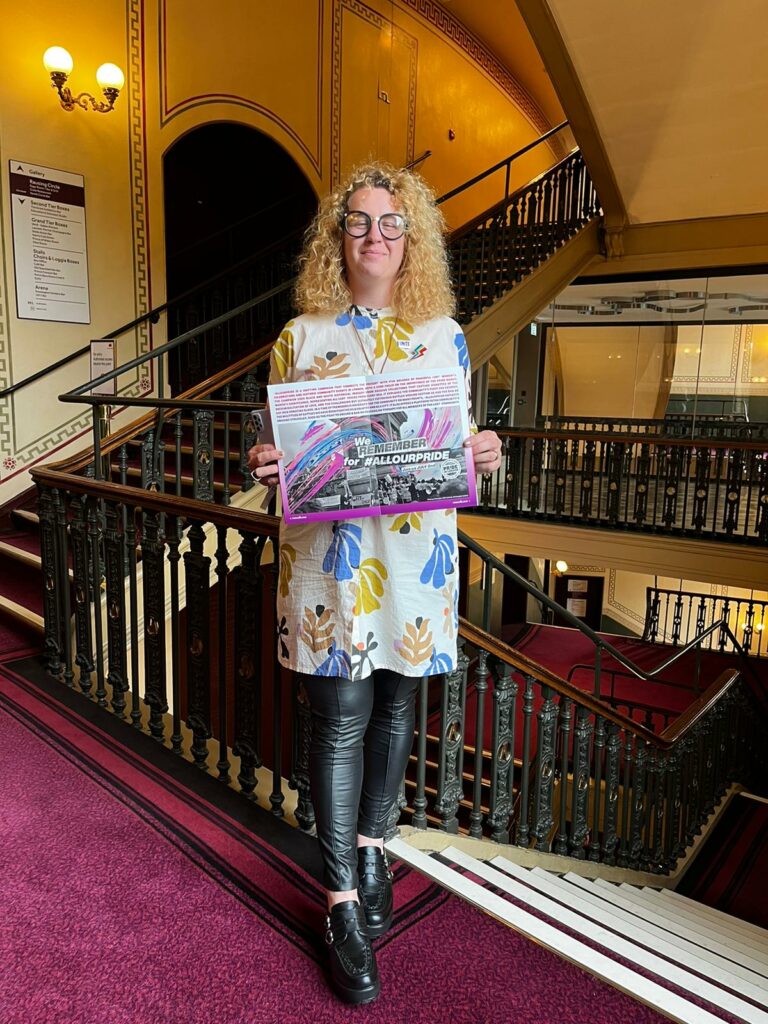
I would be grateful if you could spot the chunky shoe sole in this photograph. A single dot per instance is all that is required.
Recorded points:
(376, 931)
(354, 996)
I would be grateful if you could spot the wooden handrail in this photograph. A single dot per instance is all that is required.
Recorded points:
(681, 727)
(495, 208)
(696, 711)
(77, 462)
(159, 501)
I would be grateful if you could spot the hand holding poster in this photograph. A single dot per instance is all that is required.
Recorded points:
(369, 446)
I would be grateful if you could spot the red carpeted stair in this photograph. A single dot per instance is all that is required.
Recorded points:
(730, 872)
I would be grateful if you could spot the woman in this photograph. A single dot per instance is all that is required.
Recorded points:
(366, 607)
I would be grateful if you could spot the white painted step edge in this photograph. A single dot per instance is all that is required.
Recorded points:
(679, 927)
(727, 925)
(718, 915)
(640, 914)
(679, 1009)
(631, 927)
(758, 951)
(622, 947)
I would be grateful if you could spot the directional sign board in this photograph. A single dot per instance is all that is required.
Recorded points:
(49, 244)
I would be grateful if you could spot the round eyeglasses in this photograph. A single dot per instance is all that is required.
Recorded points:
(357, 224)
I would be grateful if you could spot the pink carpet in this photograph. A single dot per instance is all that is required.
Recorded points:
(127, 899)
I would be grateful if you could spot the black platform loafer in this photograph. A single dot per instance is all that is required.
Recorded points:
(375, 889)
(354, 975)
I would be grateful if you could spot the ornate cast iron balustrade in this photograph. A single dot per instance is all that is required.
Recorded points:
(170, 626)
(683, 425)
(710, 488)
(501, 246)
(674, 616)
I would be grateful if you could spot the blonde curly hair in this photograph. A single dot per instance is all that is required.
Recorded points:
(423, 286)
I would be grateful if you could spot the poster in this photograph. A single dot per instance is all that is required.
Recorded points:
(368, 446)
(103, 361)
(49, 244)
(578, 586)
(577, 606)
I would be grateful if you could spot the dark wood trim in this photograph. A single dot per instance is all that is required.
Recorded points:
(157, 501)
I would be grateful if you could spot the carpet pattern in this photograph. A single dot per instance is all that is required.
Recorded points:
(128, 898)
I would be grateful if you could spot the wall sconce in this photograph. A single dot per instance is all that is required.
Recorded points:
(58, 63)
(561, 567)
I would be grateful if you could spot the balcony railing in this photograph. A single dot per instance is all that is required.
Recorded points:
(675, 616)
(683, 425)
(700, 488)
(169, 621)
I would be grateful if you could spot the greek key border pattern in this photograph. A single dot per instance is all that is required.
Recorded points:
(412, 43)
(450, 26)
(718, 380)
(14, 460)
(585, 568)
(746, 363)
(138, 187)
(5, 359)
(613, 603)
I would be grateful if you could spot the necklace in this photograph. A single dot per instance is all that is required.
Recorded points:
(362, 346)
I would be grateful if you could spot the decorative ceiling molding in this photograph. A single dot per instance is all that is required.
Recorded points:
(449, 25)
(740, 299)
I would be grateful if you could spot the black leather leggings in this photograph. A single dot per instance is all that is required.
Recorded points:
(362, 733)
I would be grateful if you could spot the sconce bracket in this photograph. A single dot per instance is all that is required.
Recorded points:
(69, 102)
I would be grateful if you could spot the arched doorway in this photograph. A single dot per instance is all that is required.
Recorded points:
(236, 205)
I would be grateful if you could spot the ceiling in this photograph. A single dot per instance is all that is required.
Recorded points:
(679, 96)
(693, 300)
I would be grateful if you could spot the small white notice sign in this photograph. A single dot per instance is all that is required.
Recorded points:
(49, 244)
(577, 606)
(103, 361)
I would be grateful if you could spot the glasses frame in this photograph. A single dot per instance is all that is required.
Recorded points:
(372, 221)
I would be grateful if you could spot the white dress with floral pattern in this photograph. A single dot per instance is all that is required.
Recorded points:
(356, 595)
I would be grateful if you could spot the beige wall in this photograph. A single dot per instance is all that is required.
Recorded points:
(332, 81)
(610, 371)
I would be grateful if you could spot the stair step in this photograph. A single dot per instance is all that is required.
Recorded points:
(25, 517)
(20, 554)
(702, 910)
(603, 911)
(653, 916)
(688, 940)
(186, 480)
(22, 614)
(23, 589)
(617, 944)
(726, 937)
(552, 938)
(187, 449)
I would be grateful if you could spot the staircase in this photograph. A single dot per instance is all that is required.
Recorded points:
(694, 964)
(21, 582)
(493, 255)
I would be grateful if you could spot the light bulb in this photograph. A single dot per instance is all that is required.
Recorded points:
(56, 58)
(561, 566)
(109, 76)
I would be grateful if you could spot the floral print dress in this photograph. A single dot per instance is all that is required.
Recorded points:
(378, 592)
